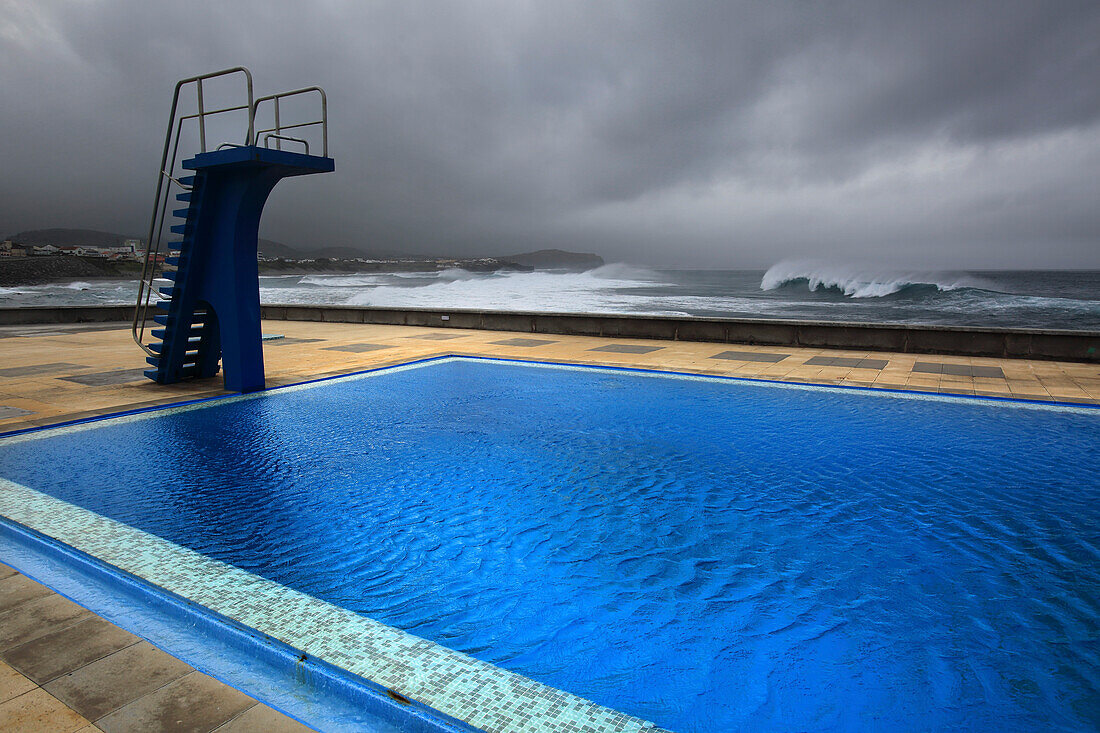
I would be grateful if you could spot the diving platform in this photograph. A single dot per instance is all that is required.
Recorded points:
(206, 281)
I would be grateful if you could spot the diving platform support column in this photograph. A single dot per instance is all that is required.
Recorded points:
(214, 305)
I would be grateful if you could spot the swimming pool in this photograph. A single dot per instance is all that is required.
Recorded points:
(709, 554)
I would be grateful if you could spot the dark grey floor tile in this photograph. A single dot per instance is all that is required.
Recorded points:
(958, 370)
(103, 379)
(627, 348)
(262, 719)
(357, 348)
(57, 367)
(438, 336)
(194, 703)
(18, 589)
(284, 341)
(30, 333)
(750, 356)
(6, 412)
(523, 342)
(847, 361)
(116, 680)
(36, 618)
(63, 651)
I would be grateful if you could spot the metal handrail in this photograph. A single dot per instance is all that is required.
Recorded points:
(279, 127)
(156, 224)
(288, 138)
(172, 142)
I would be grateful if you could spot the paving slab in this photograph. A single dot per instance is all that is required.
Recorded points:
(262, 719)
(357, 348)
(99, 379)
(18, 589)
(285, 341)
(38, 711)
(844, 361)
(526, 343)
(750, 356)
(628, 348)
(54, 654)
(437, 336)
(57, 367)
(116, 680)
(12, 683)
(194, 703)
(36, 618)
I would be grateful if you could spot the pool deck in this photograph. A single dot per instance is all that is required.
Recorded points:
(57, 373)
(57, 657)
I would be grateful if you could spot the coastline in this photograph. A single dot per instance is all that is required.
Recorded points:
(41, 270)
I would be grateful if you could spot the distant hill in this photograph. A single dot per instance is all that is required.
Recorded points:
(70, 237)
(556, 259)
(543, 259)
(275, 250)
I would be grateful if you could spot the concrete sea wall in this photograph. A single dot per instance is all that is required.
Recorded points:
(1083, 346)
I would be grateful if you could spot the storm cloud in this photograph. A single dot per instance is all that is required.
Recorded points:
(946, 134)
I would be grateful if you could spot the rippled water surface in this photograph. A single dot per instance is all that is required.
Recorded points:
(711, 555)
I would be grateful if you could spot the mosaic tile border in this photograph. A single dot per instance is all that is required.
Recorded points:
(459, 686)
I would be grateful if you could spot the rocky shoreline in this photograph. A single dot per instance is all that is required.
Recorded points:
(62, 268)
(59, 268)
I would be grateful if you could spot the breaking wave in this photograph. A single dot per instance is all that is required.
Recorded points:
(856, 282)
(600, 290)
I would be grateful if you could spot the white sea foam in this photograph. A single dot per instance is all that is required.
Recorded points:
(342, 281)
(860, 282)
(598, 290)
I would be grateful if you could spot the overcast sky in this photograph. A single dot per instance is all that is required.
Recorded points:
(734, 134)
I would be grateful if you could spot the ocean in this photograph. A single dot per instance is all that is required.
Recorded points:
(789, 290)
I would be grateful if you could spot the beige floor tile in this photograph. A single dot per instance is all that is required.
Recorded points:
(13, 683)
(37, 711)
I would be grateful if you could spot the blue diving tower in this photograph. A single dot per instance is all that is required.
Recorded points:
(206, 279)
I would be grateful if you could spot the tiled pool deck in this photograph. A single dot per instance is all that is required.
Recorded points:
(56, 374)
(52, 374)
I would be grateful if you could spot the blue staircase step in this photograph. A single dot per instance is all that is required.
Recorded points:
(180, 229)
(163, 305)
(167, 292)
(159, 333)
(170, 275)
(162, 320)
(185, 196)
(157, 347)
(187, 180)
(181, 213)
(172, 261)
(154, 360)
(152, 374)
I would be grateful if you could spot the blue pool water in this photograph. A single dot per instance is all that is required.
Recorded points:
(711, 555)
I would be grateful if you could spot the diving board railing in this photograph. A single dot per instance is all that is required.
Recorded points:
(276, 133)
(152, 266)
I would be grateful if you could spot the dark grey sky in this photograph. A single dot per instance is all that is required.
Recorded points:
(735, 134)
